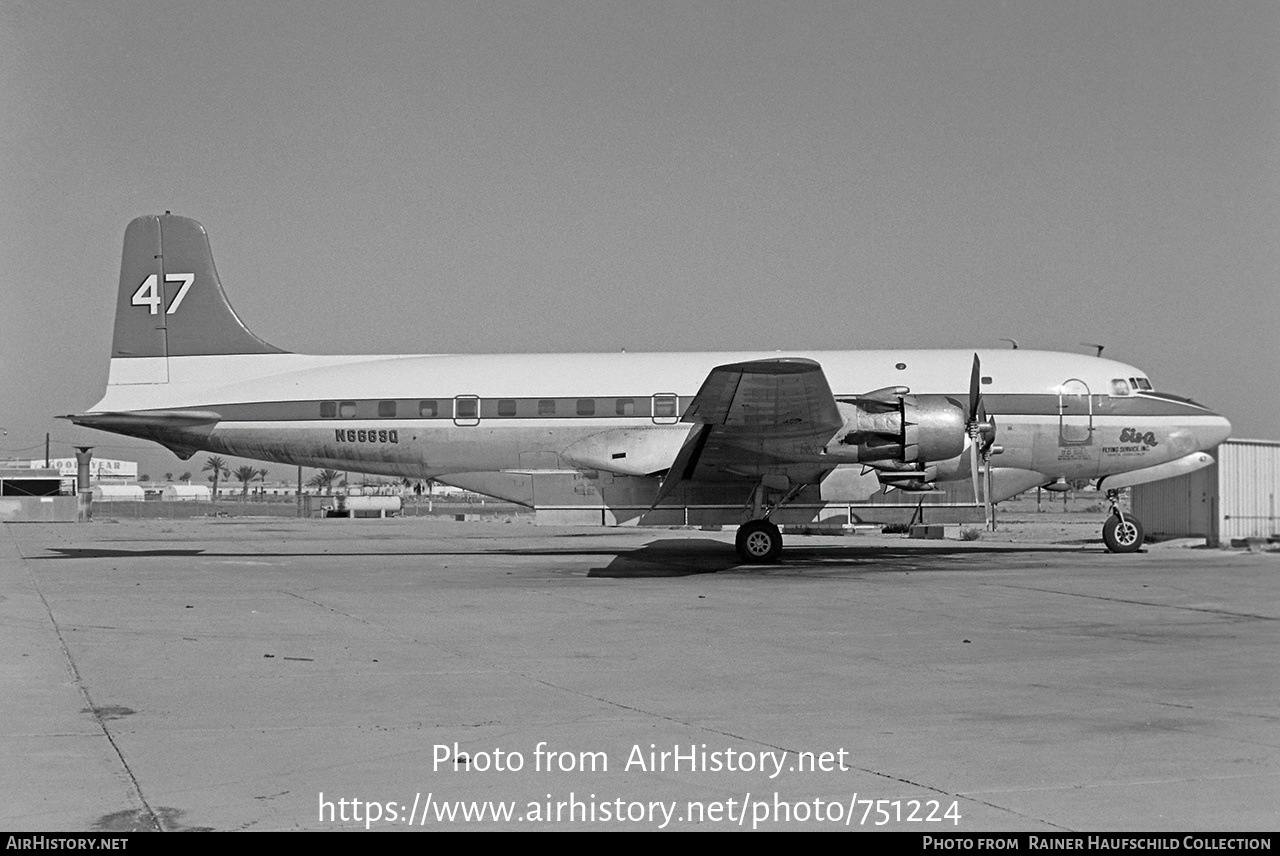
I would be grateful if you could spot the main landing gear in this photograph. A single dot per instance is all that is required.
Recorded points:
(759, 542)
(1122, 533)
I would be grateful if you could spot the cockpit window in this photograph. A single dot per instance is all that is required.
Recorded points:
(1119, 386)
(1140, 383)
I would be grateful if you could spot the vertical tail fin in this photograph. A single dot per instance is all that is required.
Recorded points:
(171, 303)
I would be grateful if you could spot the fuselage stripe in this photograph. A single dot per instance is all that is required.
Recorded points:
(615, 407)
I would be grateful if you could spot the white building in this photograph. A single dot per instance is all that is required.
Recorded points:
(186, 493)
(118, 493)
(1233, 498)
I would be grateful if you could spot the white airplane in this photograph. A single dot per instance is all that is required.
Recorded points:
(747, 439)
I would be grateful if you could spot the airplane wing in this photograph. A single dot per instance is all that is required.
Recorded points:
(758, 418)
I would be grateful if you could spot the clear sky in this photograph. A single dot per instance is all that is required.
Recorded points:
(384, 177)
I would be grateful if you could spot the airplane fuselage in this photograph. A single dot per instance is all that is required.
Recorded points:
(1058, 416)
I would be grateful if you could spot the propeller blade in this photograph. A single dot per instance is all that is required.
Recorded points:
(975, 389)
(988, 505)
(973, 464)
(979, 442)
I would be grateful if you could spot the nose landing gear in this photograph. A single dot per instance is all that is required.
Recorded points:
(1122, 533)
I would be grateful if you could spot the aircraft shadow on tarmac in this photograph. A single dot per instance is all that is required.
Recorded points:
(102, 553)
(682, 557)
(668, 557)
(671, 557)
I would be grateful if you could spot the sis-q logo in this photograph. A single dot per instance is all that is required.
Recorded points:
(1132, 435)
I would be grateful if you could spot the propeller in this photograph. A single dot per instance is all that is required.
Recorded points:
(981, 436)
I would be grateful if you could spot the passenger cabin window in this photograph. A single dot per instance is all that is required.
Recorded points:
(586, 407)
(625, 407)
(1119, 387)
(347, 410)
(429, 409)
(467, 408)
(386, 409)
(666, 409)
(546, 407)
(506, 407)
(328, 409)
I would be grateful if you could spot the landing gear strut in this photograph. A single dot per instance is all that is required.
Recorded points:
(1122, 533)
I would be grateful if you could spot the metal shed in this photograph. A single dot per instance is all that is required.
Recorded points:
(186, 493)
(34, 495)
(1233, 498)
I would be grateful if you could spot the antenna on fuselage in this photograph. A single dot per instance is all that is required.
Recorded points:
(1094, 345)
(1013, 342)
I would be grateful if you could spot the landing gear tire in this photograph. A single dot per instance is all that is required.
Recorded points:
(1122, 536)
(759, 542)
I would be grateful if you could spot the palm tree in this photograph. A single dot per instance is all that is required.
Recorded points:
(323, 480)
(262, 478)
(185, 478)
(219, 468)
(246, 475)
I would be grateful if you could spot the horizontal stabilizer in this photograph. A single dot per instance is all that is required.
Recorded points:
(145, 419)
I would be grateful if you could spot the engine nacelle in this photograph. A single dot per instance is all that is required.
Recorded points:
(889, 427)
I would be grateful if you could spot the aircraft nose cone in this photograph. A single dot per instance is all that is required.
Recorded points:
(1212, 432)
